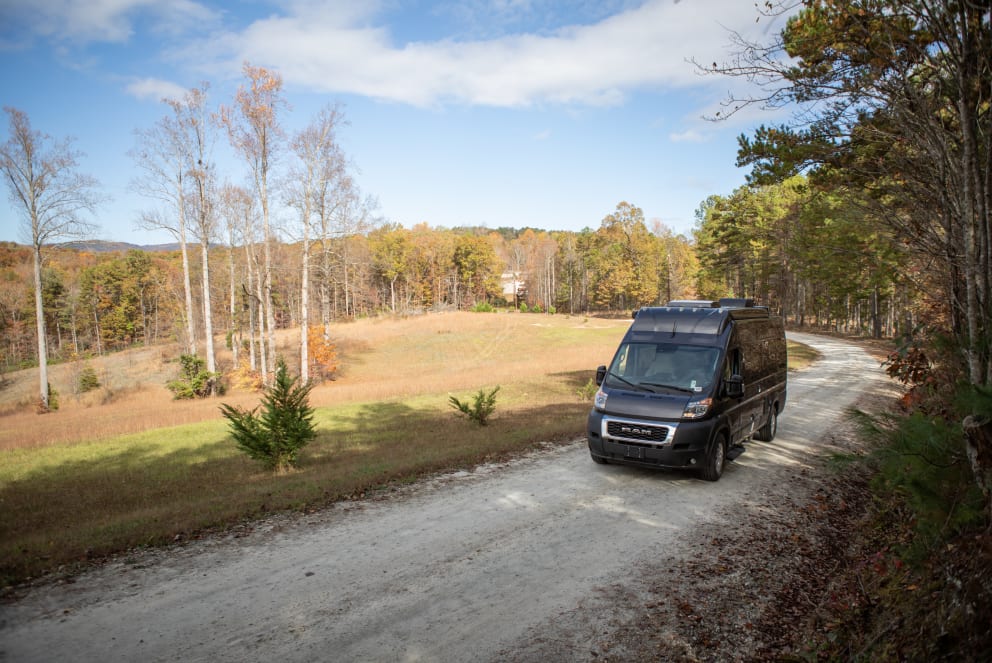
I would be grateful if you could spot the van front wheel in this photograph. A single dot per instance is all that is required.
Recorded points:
(715, 460)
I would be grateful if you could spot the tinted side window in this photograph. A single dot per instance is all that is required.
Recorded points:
(734, 364)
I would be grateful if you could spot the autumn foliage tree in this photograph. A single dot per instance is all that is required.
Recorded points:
(323, 354)
(627, 277)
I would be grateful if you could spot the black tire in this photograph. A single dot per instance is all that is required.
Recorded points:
(599, 460)
(715, 461)
(767, 432)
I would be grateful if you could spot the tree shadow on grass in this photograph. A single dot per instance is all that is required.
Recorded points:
(576, 379)
(65, 512)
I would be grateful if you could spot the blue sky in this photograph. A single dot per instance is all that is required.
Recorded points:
(517, 113)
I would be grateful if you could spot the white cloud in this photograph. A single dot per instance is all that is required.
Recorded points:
(330, 50)
(85, 21)
(155, 89)
(689, 136)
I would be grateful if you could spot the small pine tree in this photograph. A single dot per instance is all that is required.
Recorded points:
(88, 380)
(482, 407)
(285, 425)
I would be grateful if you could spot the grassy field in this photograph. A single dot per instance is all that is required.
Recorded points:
(104, 474)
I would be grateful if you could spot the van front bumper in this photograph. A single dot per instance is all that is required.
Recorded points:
(648, 443)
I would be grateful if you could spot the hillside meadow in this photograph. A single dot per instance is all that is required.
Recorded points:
(127, 466)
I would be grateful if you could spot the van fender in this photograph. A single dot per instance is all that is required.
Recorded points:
(722, 429)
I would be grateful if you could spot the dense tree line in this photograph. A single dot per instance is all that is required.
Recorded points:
(813, 255)
(895, 128)
(894, 135)
(98, 302)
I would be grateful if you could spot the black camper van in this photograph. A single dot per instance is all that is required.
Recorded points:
(689, 384)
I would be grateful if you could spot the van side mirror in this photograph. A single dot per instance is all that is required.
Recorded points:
(600, 375)
(734, 386)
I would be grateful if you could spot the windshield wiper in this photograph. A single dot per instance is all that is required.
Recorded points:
(635, 385)
(670, 386)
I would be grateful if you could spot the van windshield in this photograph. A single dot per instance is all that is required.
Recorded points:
(657, 366)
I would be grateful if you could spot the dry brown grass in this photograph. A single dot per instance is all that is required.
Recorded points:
(98, 477)
(380, 359)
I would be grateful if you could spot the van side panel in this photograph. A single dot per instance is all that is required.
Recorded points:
(751, 335)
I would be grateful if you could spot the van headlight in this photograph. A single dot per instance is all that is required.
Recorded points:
(600, 401)
(696, 409)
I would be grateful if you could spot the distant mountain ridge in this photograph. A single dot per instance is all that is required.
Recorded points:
(104, 246)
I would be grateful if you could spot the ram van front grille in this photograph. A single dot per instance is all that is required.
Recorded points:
(627, 430)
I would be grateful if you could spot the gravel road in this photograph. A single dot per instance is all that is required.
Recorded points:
(474, 566)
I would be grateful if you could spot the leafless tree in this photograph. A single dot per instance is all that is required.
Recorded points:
(237, 209)
(162, 157)
(196, 132)
(253, 128)
(314, 179)
(46, 188)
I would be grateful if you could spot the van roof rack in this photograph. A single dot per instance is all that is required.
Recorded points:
(724, 302)
(693, 303)
(732, 302)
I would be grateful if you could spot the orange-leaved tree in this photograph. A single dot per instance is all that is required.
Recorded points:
(322, 352)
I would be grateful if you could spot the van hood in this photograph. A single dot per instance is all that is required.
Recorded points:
(647, 405)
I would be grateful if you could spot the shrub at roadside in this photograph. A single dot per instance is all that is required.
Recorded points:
(285, 425)
(922, 463)
(243, 377)
(588, 392)
(194, 380)
(481, 408)
(53, 401)
(919, 586)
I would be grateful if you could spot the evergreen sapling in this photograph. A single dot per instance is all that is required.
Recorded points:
(284, 426)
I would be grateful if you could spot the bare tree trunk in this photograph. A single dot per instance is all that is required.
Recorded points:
(978, 444)
(325, 294)
(208, 328)
(39, 309)
(188, 290)
(270, 316)
(73, 331)
(305, 307)
(233, 306)
(876, 320)
(250, 293)
(347, 301)
(96, 333)
(262, 353)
